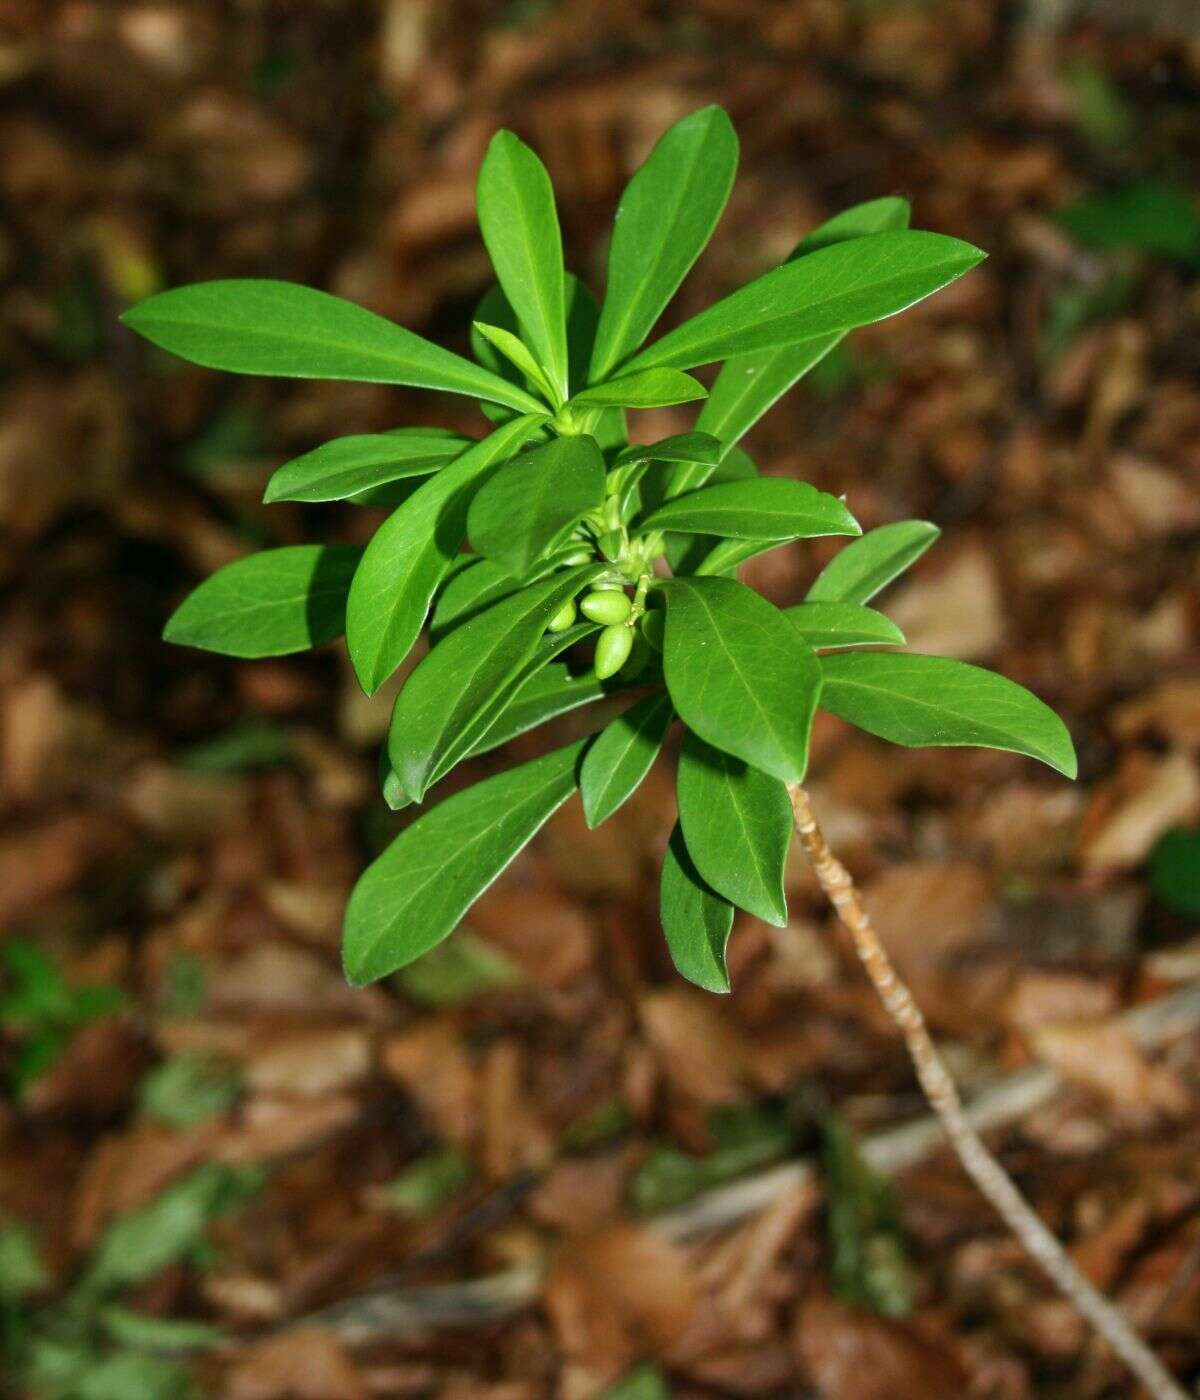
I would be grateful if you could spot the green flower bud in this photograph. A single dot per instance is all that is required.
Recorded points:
(653, 625)
(563, 618)
(612, 650)
(608, 608)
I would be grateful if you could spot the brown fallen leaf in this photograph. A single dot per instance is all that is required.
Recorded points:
(956, 612)
(852, 1355)
(311, 1064)
(1148, 798)
(429, 1060)
(308, 1364)
(1104, 1058)
(698, 1052)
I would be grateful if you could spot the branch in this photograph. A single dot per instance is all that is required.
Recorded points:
(943, 1097)
(395, 1313)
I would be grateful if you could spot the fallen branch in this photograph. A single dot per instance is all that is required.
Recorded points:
(396, 1313)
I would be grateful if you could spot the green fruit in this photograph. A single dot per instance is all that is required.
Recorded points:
(653, 625)
(612, 650)
(563, 618)
(608, 608)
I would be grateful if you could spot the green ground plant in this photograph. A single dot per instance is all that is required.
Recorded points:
(559, 560)
(554, 537)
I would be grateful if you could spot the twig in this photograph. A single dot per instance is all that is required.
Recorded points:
(403, 1312)
(942, 1094)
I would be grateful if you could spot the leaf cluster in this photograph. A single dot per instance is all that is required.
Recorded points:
(557, 561)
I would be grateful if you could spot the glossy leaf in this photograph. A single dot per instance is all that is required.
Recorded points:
(529, 502)
(416, 892)
(666, 215)
(765, 508)
(517, 353)
(269, 604)
(503, 714)
(740, 674)
(864, 568)
(519, 223)
(932, 700)
(859, 221)
(680, 447)
(472, 589)
(621, 755)
(461, 677)
(748, 385)
(259, 326)
(829, 291)
(349, 465)
(687, 553)
(737, 822)
(550, 690)
(652, 388)
(696, 920)
(411, 553)
(843, 625)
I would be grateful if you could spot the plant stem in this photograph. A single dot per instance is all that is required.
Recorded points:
(942, 1094)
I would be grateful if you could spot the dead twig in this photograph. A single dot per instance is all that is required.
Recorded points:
(379, 1314)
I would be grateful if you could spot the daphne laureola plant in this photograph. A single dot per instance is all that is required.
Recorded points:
(555, 538)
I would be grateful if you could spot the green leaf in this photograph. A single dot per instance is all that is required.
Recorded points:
(21, 1269)
(652, 388)
(1175, 870)
(737, 823)
(748, 385)
(428, 1183)
(765, 508)
(687, 553)
(680, 447)
(139, 1245)
(349, 465)
(666, 215)
(532, 500)
(472, 589)
(868, 1266)
(251, 744)
(519, 223)
(621, 755)
(696, 920)
(145, 1332)
(885, 215)
(746, 1137)
(1147, 216)
(259, 326)
(866, 567)
(416, 892)
(457, 971)
(412, 552)
(189, 1088)
(269, 604)
(536, 692)
(832, 290)
(517, 352)
(644, 1382)
(459, 681)
(544, 694)
(740, 674)
(931, 700)
(843, 625)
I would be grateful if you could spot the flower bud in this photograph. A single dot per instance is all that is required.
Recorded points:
(612, 650)
(608, 608)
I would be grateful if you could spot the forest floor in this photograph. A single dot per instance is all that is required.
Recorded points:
(537, 1164)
